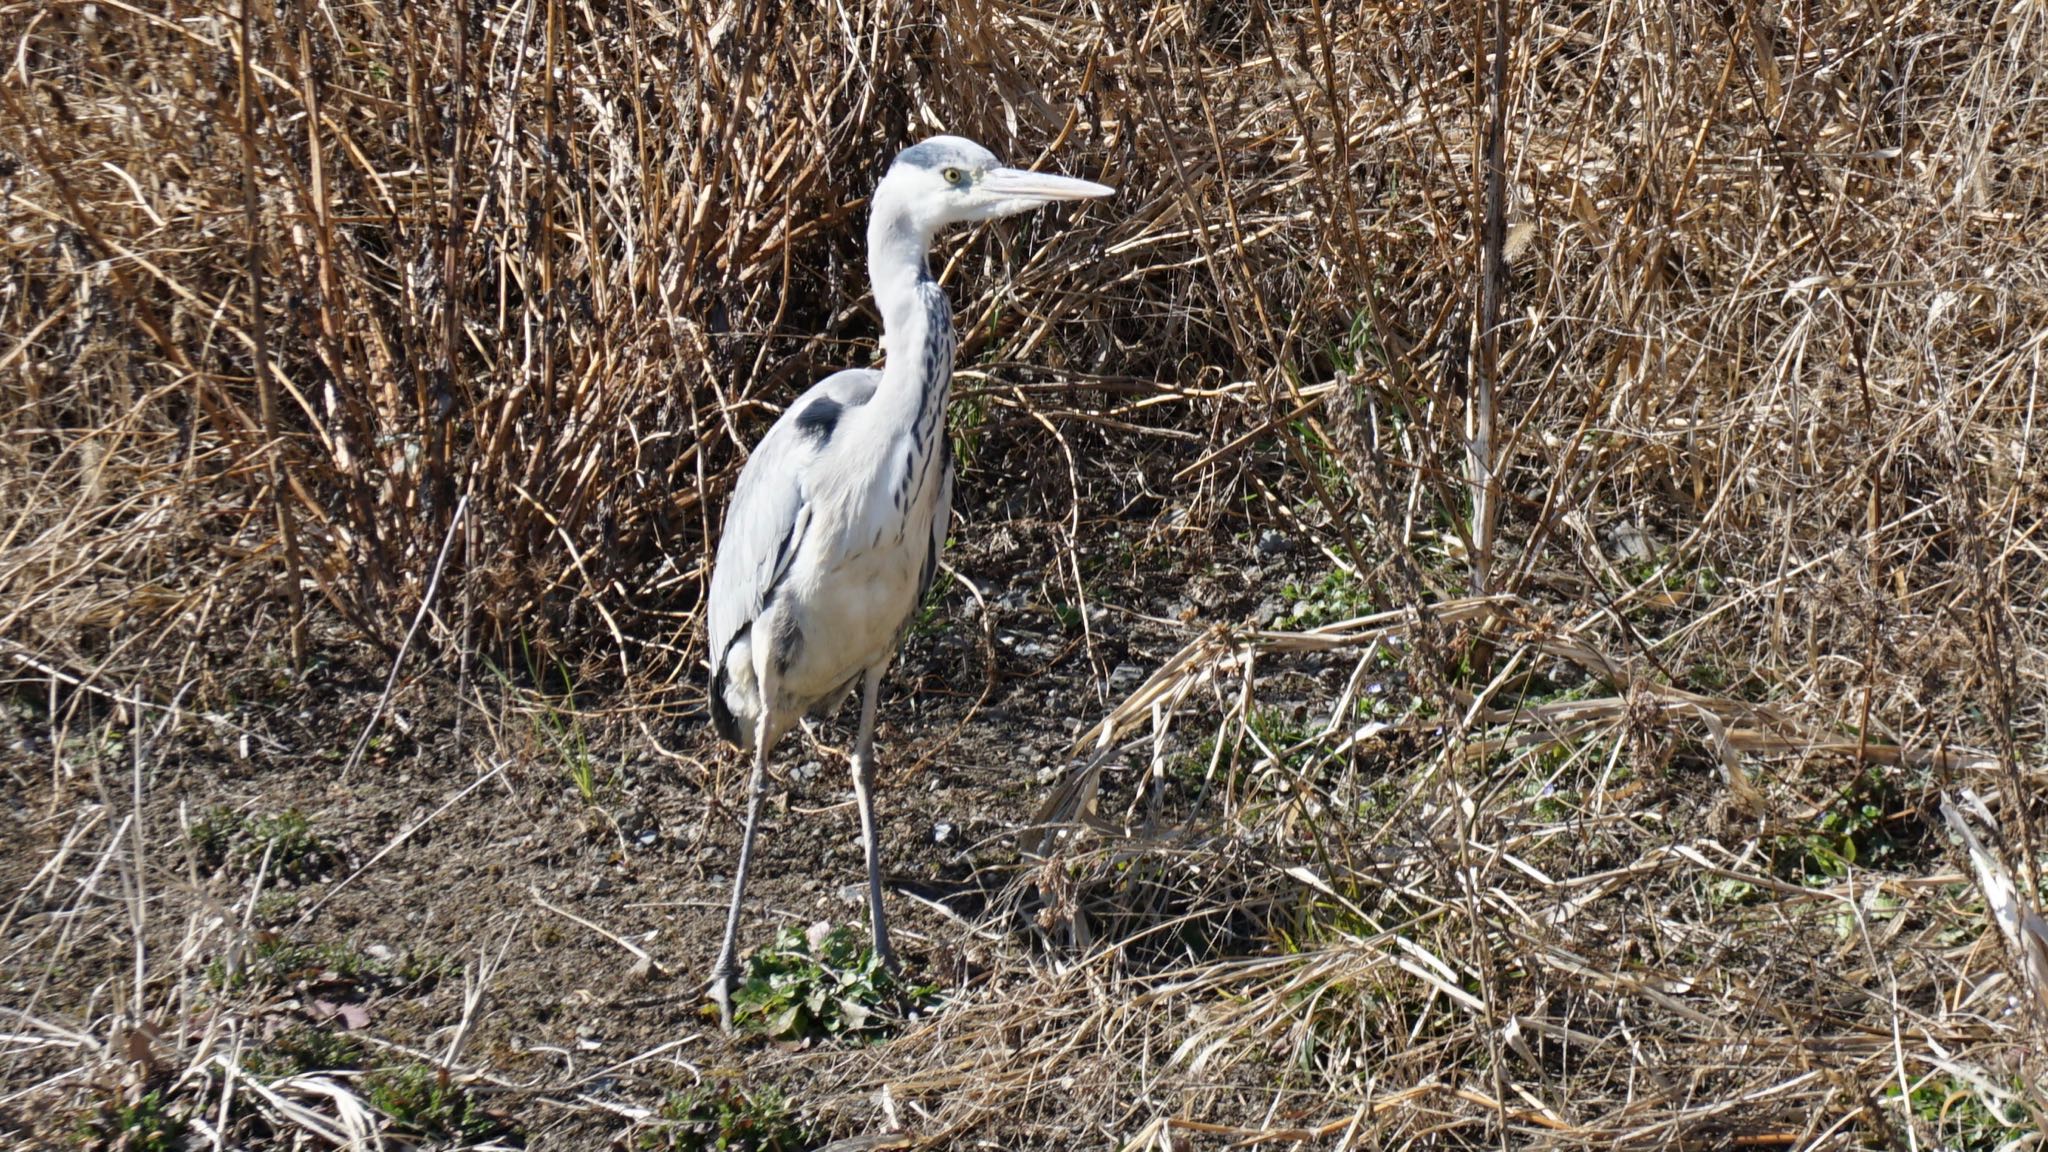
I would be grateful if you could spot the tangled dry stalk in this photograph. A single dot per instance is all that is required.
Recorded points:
(1683, 463)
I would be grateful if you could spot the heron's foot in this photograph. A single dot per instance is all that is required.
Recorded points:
(721, 993)
(887, 955)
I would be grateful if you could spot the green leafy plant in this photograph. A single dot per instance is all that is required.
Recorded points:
(1852, 831)
(723, 1118)
(1280, 728)
(1068, 614)
(1337, 595)
(306, 1048)
(224, 838)
(214, 836)
(277, 962)
(1962, 1116)
(275, 907)
(819, 982)
(296, 854)
(148, 1124)
(429, 1102)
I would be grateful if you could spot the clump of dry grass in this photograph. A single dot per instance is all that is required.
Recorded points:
(1691, 448)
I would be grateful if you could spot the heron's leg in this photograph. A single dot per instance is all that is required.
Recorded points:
(729, 952)
(864, 792)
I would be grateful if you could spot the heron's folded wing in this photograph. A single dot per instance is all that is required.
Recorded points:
(765, 523)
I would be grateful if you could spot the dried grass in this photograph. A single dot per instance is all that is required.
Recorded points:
(1752, 521)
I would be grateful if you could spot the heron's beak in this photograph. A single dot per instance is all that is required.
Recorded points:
(1039, 187)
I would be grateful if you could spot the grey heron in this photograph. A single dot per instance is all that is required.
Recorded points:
(836, 525)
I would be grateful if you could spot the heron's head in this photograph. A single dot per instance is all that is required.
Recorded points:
(949, 180)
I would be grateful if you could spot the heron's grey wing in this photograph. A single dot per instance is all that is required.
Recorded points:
(765, 522)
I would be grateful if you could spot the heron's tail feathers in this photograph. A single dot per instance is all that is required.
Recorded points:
(735, 699)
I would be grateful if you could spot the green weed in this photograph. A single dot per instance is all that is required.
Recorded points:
(965, 418)
(278, 963)
(1322, 456)
(1663, 570)
(305, 1048)
(931, 612)
(557, 725)
(1960, 1117)
(723, 1118)
(817, 984)
(1728, 892)
(1190, 769)
(224, 838)
(150, 1124)
(581, 768)
(1360, 347)
(1852, 831)
(214, 836)
(427, 1101)
(1338, 595)
(1067, 614)
(1280, 728)
(1557, 807)
(276, 906)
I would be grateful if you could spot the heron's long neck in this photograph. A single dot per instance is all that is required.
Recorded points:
(917, 330)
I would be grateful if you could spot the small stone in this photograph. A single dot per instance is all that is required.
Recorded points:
(1272, 543)
(942, 833)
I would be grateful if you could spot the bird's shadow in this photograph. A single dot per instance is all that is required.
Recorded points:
(1079, 884)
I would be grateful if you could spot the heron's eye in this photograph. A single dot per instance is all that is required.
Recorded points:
(952, 175)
